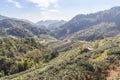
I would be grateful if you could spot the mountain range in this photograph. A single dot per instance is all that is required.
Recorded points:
(11, 27)
(91, 26)
(85, 48)
(50, 24)
(81, 27)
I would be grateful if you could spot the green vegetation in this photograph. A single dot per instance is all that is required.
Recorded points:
(68, 64)
(18, 28)
(18, 55)
(30, 53)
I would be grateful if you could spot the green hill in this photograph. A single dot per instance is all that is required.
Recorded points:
(78, 62)
(18, 54)
(11, 27)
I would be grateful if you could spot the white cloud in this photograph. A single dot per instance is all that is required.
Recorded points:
(44, 3)
(51, 14)
(53, 10)
(17, 4)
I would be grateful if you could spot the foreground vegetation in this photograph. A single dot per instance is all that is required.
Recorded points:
(75, 62)
(18, 55)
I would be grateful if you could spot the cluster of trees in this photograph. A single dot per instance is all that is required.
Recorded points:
(18, 55)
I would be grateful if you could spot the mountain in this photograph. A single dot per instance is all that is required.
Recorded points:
(3, 17)
(82, 23)
(50, 24)
(19, 28)
(94, 32)
(25, 20)
(30, 53)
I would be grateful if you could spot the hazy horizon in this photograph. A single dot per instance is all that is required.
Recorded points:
(36, 10)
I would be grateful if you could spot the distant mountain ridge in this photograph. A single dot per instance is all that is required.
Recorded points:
(81, 27)
(84, 22)
(50, 24)
(3, 17)
(11, 27)
(98, 31)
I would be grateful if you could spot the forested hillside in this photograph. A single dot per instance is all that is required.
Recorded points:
(79, 62)
(18, 55)
(18, 28)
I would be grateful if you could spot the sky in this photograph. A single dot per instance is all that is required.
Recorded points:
(36, 10)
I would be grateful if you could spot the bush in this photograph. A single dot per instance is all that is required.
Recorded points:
(115, 50)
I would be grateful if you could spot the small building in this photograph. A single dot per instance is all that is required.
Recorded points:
(88, 49)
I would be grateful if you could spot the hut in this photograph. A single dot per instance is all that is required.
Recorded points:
(88, 49)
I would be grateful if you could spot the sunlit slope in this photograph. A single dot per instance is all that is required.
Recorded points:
(77, 63)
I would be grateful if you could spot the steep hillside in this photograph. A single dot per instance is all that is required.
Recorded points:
(47, 39)
(98, 31)
(78, 63)
(10, 27)
(81, 22)
(18, 55)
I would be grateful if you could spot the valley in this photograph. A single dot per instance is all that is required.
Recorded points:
(87, 47)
